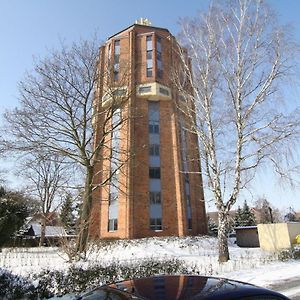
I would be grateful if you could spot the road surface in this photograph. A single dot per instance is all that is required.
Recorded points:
(289, 288)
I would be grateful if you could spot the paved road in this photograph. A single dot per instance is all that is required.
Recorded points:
(289, 288)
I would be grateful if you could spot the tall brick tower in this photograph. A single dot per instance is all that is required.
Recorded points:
(158, 191)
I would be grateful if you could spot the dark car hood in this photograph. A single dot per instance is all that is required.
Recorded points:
(182, 287)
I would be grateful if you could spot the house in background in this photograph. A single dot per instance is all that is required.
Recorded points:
(213, 215)
(30, 234)
(53, 234)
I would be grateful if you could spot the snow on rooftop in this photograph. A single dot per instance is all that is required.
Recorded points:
(245, 227)
(51, 231)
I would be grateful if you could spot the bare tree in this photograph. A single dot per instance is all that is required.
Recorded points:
(240, 60)
(48, 177)
(266, 212)
(60, 112)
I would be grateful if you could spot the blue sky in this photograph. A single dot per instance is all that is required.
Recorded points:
(30, 27)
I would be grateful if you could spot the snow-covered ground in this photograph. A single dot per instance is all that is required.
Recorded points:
(199, 253)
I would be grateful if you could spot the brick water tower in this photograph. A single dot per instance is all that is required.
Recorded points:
(158, 191)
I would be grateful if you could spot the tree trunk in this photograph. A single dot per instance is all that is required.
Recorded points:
(222, 237)
(86, 213)
(43, 232)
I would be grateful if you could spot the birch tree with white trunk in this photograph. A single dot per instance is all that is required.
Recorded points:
(231, 91)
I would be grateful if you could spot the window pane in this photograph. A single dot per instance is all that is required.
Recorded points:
(149, 42)
(186, 177)
(188, 199)
(151, 150)
(117, 47)
(149, 72)
(158, 198)
(113, 197)
(116, 67)
(116, 75)
(149, 63)
(164, 91)
(154, 172)
(156, 224)
(189, 223)
(109, 51)
(159, 44)
(159, 65)
(154, 150)
(118, 92)
(112, 224)
(151, 197)
(158, 56)
(154, 128)
(145, 89)
(159, 73)
(116, 59)
(155, 197)
(149, 54)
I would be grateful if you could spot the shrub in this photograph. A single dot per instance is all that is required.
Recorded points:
(77, 279)
(293, 253)
(15, 287)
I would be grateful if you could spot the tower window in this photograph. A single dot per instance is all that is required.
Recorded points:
(164, 91)
(149, 72)
(155, 197)
(158, 58)
(145, 89)
(113, 225)
(189, 224)
(188, 199)
(113, 197)
(149, 55)
(154, 128)
(158, 44)
(116, 71)
(109, 55)
(116, 75)
(117, 47)
(116, 59)
(154, 172)
(149, 42)
(154, 149)
(186, 177)
(155, 224)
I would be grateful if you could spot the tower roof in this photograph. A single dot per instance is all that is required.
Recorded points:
(139, 25)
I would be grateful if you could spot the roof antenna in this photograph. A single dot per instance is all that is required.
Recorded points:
(143, 21)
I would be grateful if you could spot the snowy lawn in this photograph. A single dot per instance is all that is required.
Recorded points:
(199, 255)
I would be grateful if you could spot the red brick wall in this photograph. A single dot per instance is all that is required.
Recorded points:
(133, 213)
